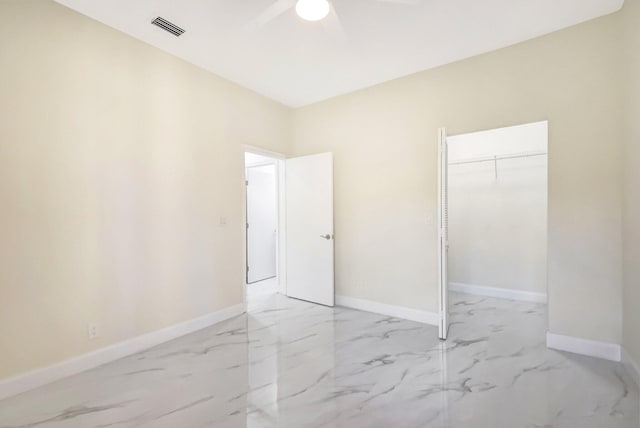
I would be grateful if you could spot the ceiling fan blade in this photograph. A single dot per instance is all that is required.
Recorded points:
(271, 13)
(333, 27)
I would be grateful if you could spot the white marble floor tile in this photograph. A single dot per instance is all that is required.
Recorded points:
(288, 363)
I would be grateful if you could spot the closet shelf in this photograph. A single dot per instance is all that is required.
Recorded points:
(498, 157)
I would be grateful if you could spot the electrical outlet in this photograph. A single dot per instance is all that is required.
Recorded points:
(92, 330)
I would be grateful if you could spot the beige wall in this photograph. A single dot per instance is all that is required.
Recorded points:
(116, 163)
(631, 231)
(384, 140)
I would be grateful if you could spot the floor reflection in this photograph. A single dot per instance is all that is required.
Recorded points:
(289, 363)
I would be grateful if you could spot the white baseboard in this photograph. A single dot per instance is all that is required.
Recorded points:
(591, 348)
(389, 310)
(24, 382)
(502, 293)
(631, 367)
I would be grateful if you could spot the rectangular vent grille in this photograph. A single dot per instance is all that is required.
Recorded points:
(168, 26)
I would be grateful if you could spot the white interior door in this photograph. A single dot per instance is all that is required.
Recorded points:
(443, 232)
(262, 222)
(309, 217)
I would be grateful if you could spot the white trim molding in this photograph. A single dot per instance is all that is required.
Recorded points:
(260, 151)
(591, 348)
(502, 293)
(631, 366)
(27, 381)
(417, 315)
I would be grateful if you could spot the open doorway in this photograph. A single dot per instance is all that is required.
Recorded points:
(303, 228)
(494, 200)
(261, 180)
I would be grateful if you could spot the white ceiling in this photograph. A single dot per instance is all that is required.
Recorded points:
(298, 62)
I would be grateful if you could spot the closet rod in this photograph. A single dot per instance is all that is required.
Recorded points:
(497, 158)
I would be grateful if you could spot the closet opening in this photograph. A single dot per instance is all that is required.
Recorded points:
(496, 198)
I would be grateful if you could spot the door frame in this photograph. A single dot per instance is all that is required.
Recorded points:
(281, 253)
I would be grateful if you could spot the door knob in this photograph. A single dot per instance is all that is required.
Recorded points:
(327, 236)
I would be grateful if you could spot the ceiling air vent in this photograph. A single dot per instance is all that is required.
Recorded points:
(168, 26)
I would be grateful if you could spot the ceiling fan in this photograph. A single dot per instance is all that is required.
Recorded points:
(309, 10)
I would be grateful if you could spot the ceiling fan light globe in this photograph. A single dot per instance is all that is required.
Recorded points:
(312, 10)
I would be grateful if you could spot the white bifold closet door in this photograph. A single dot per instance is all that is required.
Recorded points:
(443, 233)
(262, 222)
(309, 217)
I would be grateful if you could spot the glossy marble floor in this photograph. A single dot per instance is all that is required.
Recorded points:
(289, 363)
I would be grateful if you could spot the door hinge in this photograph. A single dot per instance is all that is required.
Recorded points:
(247, 268)
(246, 182)
(247, 225)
